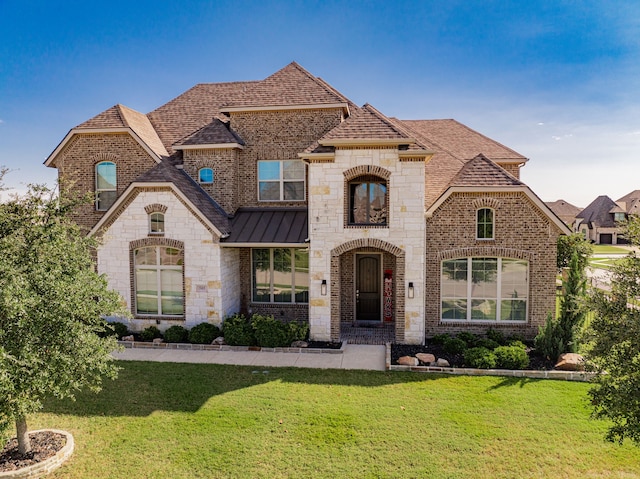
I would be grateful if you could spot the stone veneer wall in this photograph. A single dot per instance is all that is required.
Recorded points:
(224, 163)
(206, 299)
(77, 161)
(276, 135)
(331, 243)
(521, 230)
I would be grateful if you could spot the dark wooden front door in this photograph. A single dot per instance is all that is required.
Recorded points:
(368, 287)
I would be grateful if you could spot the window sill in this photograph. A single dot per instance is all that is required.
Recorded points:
(367, 225)
(481, 321)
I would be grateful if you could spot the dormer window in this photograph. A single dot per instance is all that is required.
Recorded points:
(205, 176)
(156, 223)
(618, 217)
(484, 224)
(106, 185)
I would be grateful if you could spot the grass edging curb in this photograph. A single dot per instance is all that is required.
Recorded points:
(226, 347)
(518, 373)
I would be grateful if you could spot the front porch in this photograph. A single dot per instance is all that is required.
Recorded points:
(360, 332)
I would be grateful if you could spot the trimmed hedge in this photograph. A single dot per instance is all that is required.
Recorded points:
(203, 333)
(176, 334)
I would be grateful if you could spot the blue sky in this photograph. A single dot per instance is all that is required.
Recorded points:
(558, 81)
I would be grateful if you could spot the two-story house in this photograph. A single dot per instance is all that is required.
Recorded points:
(282, 197)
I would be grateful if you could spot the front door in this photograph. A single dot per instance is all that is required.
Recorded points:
(368, 287)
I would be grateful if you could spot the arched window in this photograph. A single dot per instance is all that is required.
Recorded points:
(106, 185)
(156, 223)
(484, 229)
(159, 281)
(205, 176)
(368, 201)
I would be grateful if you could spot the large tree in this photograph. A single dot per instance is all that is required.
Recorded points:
(614, 339)
(52, 305)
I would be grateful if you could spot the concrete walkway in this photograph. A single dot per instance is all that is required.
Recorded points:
(354, 356)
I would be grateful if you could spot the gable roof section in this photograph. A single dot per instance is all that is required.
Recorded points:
(630, 203)
(481, 171)
(366, 125)
(563, 208)
(269, 227)
(215, 134)
(292, 86)
(118, 118)
(598, 212)
(166, 174)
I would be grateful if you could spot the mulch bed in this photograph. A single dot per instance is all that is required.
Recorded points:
(44, 445)
(324, 345)
(536, 362)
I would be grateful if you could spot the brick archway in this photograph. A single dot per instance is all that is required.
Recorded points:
(338, 290)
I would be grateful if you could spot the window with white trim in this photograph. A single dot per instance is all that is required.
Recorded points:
(484, 289)
(281, 180)
(205, 176)
(484, 224)
(156, 223)
(158, 281)
(280, 275)
(106, 185)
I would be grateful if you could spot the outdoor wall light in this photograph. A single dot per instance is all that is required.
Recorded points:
(323, 287)
(411, 291)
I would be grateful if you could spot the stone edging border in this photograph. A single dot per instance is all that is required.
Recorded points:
(226, 347)
(518, 373)
(46, 466)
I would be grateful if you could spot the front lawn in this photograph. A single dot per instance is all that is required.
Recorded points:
(609, 249)
(161, 420)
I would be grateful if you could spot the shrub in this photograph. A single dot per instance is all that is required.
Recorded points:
(549, 339)
(454, 345)
(176, 334)
(298, 331)
(269, 332)
(511, 357)
(238, 331)
(118, 329)
(468, 338)
(203, 333)
(440, 338)
(490, 344)
(479, 357)
(496, 336)
(150, 333)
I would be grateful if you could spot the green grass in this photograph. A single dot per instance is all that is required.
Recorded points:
(608, 249)
(161, 420)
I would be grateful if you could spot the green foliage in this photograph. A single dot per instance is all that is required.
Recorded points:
(204, 333)
(479, 357)
(468, 338)
(454, 345)
(549, 339)
(52, 335)
(176, 334)
(511, 357)
(269, 332)
(570, 245)
(497, 336)
(572, 304)
(298, 331)
(118, 329)
(440, 338)
(614, 347)
(238, 331)
(487, 343)
(150, 333)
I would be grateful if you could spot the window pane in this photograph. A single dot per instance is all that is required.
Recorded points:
(145, 256)
(206, 175)
(485, 223)
(282, 277)
(261, 276)
(514, 279)
(268, 170)
(454, 309)
(170, 257)
(302, 275)
(484, 276)
(172, 298)
(454, 278)
(483, 309)
(106, 176)
(359, 203)
(294, 190)
(146, 291)
(293, 170)
(513, 310)
(156, 224)
(377, 203)
(104, 199)
(269, 191)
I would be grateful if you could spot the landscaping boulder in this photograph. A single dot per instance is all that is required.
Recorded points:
(442, 363)
(128, 338)
(299, 344)
(570, 362)
(158, 340)
(219, 341)
(426, 358)
(408, 361)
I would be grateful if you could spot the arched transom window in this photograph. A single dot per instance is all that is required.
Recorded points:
(368, 201)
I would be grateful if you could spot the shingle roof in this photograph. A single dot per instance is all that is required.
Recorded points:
(165, 172)
(563, 208)
(364, 124)
(269, 225)
(630, 202)
(214, 133)
(481, 171)
(598, 212)
(120, 116)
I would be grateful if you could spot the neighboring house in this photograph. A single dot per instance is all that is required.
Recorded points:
(598, 222)
(282, 197)
(565, 211)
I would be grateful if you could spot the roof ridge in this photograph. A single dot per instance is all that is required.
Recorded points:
(486, 137)
(381, 116)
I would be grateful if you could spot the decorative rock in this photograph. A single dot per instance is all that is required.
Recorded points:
(570, 362)
(408, 361)
(299, 344)
(158, 340)
(442, 363)
(219, 340)
(128, 338)
(426, 358)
